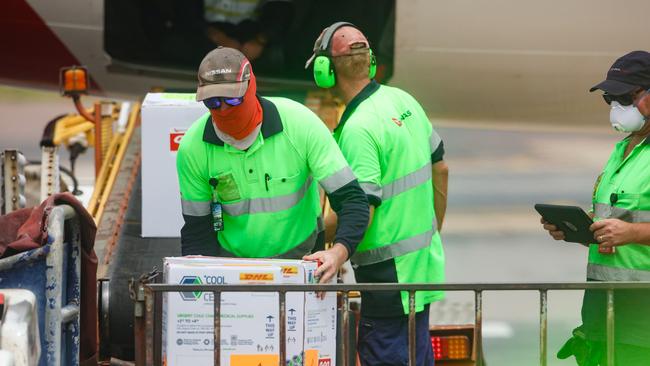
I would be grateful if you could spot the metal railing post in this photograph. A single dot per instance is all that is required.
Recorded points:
(283, 328)
(610, 327)
(216, 340)
(412, 355)
(478, 323)
(346, 329)
(543, 326)
(53, 291)
(149, 325)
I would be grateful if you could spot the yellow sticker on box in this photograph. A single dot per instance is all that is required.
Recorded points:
(254, 360)
(255, 276)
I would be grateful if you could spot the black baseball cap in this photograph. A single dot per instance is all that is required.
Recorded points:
(627, 74)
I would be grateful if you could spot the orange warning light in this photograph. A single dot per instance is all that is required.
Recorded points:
(73, 80)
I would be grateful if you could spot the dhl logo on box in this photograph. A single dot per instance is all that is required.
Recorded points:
(256, 276)
(289, 270)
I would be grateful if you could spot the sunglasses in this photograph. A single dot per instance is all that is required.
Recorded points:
(625, 99)
(215, 102)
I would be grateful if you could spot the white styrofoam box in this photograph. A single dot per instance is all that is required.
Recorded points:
(311, 326)
(165, 118)
(19, 329)
(249, 321)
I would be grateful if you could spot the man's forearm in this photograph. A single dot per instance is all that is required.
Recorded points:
(440, 176)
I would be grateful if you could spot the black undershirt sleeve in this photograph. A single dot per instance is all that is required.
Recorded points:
(374, 200)
(198, 236)
(437, 155)
(351, 206)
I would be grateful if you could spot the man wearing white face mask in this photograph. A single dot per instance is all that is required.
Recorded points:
(248, 170)
(621, 209)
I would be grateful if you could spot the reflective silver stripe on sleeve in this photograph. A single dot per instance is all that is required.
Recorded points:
(606, 273)
(371, 189)
(434, 141)
(407, 182)
(301, 249)
(393, 250)
(267, 204)
(605, 211)
(338, 179)
(195, 208)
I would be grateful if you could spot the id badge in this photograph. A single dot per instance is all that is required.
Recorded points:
(217, 216)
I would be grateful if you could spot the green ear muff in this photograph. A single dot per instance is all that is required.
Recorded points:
(324, 72)
(372, 71)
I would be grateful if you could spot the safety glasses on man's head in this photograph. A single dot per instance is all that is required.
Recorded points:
(215, 102)
(625, 99)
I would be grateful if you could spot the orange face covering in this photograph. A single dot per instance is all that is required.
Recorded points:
(241, 120)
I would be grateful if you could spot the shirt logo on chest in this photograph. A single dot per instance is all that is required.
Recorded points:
(400, 121)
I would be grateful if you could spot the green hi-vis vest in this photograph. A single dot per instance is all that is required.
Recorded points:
(388, 140)
(270, 200)
(623, 192)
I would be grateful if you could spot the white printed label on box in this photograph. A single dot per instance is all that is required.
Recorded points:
(249, 321)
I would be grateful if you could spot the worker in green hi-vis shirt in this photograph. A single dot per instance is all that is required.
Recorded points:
(621, 210)
(248, 172)
(393, 150)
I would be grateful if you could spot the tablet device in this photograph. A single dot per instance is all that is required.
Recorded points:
(571, 220)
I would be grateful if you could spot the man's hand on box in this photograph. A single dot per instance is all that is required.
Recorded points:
(330, 261)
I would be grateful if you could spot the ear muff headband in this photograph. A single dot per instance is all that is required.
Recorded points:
(325, 44)
(372, 71)
(324, 74)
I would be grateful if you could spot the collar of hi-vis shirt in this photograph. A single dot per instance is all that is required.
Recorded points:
(271, 125)
(364, 94)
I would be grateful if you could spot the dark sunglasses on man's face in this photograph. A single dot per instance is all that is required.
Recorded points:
(215, 102)
(625, 99)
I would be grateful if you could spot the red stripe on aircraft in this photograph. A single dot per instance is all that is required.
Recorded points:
(32, 53)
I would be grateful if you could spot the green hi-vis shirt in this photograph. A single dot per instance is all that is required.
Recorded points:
(623, 192)
(268, 193)
(388, 141)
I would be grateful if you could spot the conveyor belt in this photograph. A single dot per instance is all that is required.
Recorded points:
(133, 256)
(123, 254)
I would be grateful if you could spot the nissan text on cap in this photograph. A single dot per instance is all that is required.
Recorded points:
(224, 72)
(627, 74)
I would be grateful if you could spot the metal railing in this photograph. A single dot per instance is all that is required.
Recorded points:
(152, 289)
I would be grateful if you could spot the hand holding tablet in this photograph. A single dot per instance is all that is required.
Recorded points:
(571, 220)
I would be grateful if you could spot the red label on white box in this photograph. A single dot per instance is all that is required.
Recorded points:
(325, 362)
(175, 140)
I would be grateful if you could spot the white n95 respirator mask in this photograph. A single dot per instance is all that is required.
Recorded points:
(626, 118)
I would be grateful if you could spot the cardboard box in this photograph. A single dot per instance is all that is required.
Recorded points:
(310, 321)
(165, 118)
(249, 321)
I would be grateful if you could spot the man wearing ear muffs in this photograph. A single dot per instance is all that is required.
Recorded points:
(398, 158)
(248, 172)
(621, 210)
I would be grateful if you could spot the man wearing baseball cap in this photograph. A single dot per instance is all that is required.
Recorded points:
(621, 211)
(398, 158)
(248, 171)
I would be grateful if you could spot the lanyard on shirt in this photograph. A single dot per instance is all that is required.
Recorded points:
(215, 207)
